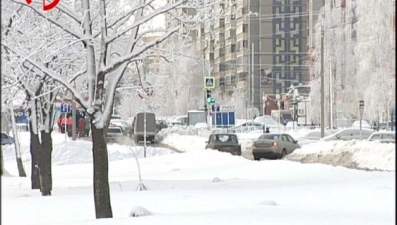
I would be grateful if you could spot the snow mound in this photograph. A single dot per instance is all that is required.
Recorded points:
(366, 155)
(216, 180)
(268, 202)
(181, 130)
(185, 143)
(79, 152)
(138, 211)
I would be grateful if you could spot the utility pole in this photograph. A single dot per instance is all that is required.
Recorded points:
(322, 106)
(310, 24)
(74, 118)
(331, 97)
(252, 76)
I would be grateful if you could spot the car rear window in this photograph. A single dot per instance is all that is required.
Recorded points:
(270, 137)
(225, 138)
(114, 130)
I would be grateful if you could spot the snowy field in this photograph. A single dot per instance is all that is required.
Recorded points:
(199, 187)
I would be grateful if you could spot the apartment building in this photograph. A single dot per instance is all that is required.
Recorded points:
(259, 47)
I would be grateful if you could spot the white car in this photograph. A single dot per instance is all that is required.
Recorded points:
(383, 136)
(364, 124)
(315, 135)
(269, 121)
(349, 134)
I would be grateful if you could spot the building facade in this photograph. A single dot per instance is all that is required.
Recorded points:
(260, 47)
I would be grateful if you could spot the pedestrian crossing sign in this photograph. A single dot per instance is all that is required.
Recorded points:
(209, 82)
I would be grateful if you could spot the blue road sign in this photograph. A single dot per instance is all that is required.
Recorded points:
(66, 108)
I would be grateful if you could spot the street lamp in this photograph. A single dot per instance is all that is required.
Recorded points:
(264, 99)
(278, 97)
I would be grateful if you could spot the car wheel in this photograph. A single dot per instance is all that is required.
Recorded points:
(256, 158)
(283, 153)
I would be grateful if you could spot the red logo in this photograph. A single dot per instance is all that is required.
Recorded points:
(46, 7)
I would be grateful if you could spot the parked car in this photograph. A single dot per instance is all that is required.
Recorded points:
(224, 142)
(248, 126)
(161, 124)
(126, 128)
(6, 139)
(315, 135)
(273, 146)
(349, 134)
(364, 124)
(115, 134)
(383, 137)
(268, 121)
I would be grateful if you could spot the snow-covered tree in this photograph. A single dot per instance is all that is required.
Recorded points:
(359, 54)
(92, 28)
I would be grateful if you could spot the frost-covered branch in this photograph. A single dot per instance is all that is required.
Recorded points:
(130, 57)
(145, 19)
(55, 22)
(47, 71)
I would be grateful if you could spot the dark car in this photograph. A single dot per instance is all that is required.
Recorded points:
(161, 124)
(6, 140)
(224, 143)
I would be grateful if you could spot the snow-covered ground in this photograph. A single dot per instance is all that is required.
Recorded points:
(196, 187)
(363, 154)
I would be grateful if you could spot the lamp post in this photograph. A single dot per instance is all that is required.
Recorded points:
(361, 106)
(278, 97)
(264, 99)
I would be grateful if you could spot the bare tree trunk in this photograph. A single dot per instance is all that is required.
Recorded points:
(103, 208)
(34, 151)
(2, 162)
(44, 161)
(21, 170)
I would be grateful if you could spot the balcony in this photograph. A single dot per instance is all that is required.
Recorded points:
(242, 69)
(220, 23)
(242, 36)
(230, 25)
(230, 41)
(242, 84)
(230, 56)
(242, 52)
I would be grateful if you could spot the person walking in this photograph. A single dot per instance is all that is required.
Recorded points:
(63, 125)
(267, 130)
(87, 126)
(69, 121)
(59, 123)
(81, 127)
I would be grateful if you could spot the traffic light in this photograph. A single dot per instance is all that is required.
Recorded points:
(209, 98)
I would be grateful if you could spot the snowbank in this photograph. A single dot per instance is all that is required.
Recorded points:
(79, 151)
(352, 154)
(184, 143)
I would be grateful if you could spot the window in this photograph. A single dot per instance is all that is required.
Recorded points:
(4, 136)
(245, 28)
(222, 81)
(270, 137)
(376, 137)
(284, 138)
(290, 139)
(224, 138)
(233, 48)
(389, 136)
(244, 43)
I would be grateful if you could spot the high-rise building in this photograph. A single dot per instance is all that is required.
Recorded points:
(259, 47)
